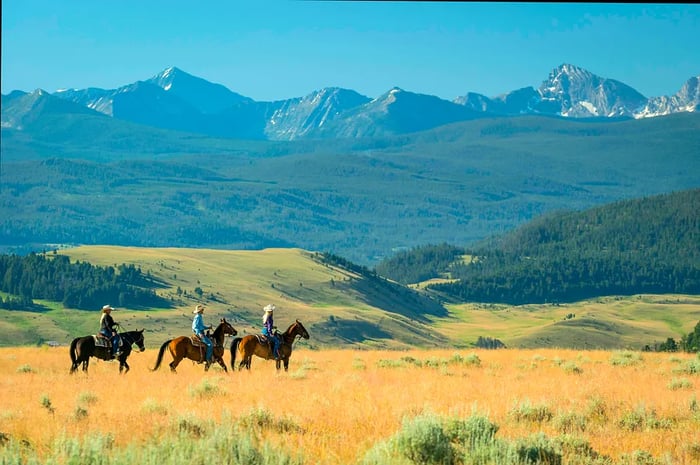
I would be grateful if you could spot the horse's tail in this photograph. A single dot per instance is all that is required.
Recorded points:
(73, 355)
(160, 354)
(234, 348)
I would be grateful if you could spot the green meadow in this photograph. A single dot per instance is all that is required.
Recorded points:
(341, 308)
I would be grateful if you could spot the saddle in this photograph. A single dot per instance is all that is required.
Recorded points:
(267, 340)
(196, 341)
(102, 341)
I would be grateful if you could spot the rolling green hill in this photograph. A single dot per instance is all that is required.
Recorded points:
(342, 306)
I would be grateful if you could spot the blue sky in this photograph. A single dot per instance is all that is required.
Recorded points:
(271, 50)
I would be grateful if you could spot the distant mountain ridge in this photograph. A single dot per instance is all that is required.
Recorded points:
(174, 99)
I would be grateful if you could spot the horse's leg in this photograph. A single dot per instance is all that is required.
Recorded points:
(246, 361)
(124, 365)
(223, 365)
(286, 363)
(177, 358)
(176, 361)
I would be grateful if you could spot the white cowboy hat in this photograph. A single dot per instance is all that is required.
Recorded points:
(270, 308)
(107, 307)
(199, 309)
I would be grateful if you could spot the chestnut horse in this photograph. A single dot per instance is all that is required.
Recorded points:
(182, 347)
(253, 344)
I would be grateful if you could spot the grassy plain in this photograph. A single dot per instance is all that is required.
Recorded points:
(335, 406)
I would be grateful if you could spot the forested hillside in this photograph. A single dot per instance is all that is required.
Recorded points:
(362, 199)
(648, 245)
(76, 285)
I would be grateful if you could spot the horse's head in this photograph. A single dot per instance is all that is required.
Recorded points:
(227, 328)
(136, 337)
(299, 330)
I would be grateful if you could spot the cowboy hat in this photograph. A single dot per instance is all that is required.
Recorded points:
(199, 309)
(107, 307)
(270, 308)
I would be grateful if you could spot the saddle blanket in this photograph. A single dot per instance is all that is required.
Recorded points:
(101, 341)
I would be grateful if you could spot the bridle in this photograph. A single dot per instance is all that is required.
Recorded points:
(131, 341)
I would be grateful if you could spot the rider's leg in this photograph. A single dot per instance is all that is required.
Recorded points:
(115, 345)
(210, 349)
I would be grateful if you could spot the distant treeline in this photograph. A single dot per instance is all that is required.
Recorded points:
(649, 245)
(76, 285)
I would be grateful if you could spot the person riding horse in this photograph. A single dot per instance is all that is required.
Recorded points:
(268, 329)
(108, 329)
(198, 329)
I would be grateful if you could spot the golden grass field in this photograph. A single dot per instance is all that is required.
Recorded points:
(344, 401)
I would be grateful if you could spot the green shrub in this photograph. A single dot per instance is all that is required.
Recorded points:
(572, 367)
(626, 358)
(423, 441)
(46, 403)
(206, 388)
(570, 422)
(538, 449)
(597, 410)
(578, 451)
(471, 432)
(532, 413)
(262, 419)
(87, 398)
(25, 369)
(639, 457)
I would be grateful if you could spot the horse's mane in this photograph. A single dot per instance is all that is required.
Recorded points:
(287, 335)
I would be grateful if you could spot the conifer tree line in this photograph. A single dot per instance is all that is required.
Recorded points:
(76, 285)
(649, 245)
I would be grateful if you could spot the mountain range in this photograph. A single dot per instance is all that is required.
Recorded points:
(358, 177)
(174, 99)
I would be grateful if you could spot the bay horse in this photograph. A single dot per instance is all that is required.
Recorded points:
(182, 347)
(253, 344)
(82, 348)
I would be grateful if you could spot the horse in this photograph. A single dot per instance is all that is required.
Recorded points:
(182, 347)
(253, 344)
(82, 348)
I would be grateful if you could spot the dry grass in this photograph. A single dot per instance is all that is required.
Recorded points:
(344, 401)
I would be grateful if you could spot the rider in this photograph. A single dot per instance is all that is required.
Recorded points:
(108, 329)
(198, 329)
(268, 329)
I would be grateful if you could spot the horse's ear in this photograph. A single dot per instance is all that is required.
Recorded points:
(298, 320)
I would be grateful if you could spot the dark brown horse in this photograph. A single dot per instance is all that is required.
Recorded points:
(82, 348)
(252, 344)
(182, 347)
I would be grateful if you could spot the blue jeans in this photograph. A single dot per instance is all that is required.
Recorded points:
(275, 342)
(210, 346)
(115, 341)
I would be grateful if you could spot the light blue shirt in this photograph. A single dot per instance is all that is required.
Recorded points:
(198, 324)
